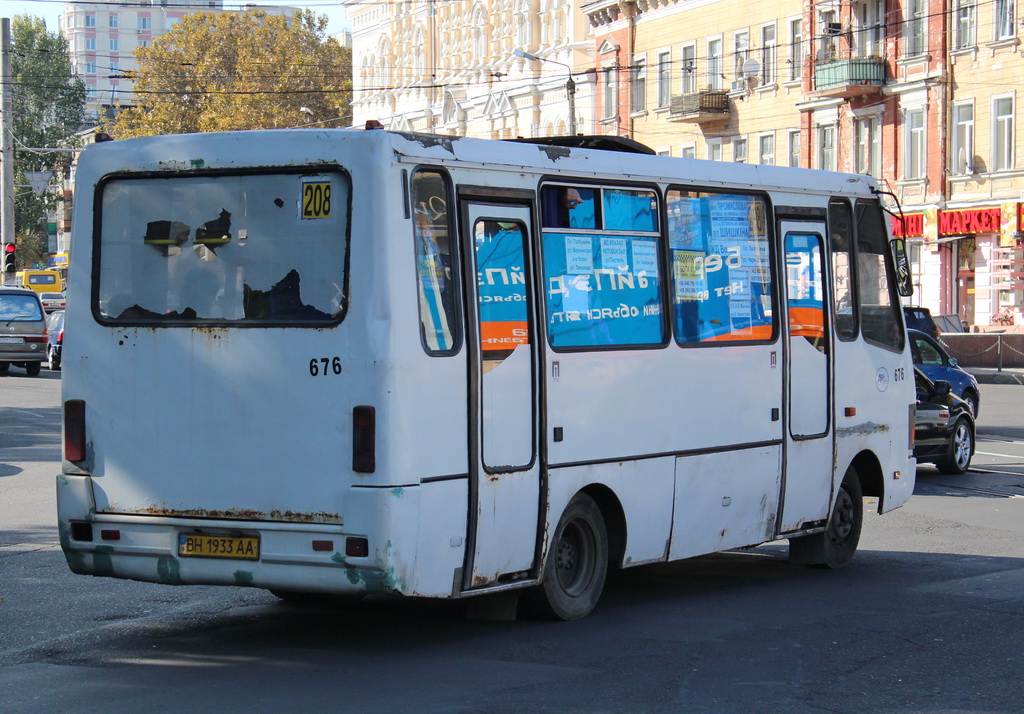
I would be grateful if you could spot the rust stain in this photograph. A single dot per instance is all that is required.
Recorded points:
(480, 581)
(242, 514)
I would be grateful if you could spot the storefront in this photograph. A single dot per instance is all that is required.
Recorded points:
(968, 262)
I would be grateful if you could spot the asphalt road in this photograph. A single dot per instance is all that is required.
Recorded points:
(927, 618)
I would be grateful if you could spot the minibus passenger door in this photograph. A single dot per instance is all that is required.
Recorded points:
(809, 463)
(504, 470)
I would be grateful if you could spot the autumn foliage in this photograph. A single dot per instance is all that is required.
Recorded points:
(229, 71)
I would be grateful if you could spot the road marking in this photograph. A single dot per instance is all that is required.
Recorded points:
(1002, 456)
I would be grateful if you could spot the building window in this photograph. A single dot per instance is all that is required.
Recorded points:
(112, 20)
(688, 151)
(714, 73)
(740, 52)
(827, 147)
(664, 78)
(869, 16)
(90, 21)
(796, 49)
(914, 155)
(713, 148)
(915, 39)
(793, 149)
(609, 89)
(143, 43)
(1002, 133)
(766, 149)
(739, 150)
(687, 64)
(867, 154)
(964, 24)
(90, 68)
(827, 36)
(113, 44)
(768, 54)
(638, 85)
(1006, 12)
(144, 23)
(963, 139)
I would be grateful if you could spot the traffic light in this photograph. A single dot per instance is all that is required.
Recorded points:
(10, 261)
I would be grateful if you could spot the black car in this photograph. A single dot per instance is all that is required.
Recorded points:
(920, 318)
(943, 427)
(54, 338)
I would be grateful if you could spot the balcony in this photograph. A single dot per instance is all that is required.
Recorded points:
(849, 77)
(710, 105)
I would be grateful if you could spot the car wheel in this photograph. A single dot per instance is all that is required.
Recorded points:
(577, 563)
(32, 369)
(834, 548)
(961, 450)
(53, 361)
(972, 399)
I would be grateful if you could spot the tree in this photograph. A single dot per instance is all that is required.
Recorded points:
(230, 71)
(48, 104)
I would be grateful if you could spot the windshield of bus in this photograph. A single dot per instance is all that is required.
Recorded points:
(249, 248)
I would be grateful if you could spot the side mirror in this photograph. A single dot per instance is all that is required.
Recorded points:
(942, 388)
(898, 246)
(953, 362)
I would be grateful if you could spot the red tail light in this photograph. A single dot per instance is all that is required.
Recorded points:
(74, 430)
(60, 336)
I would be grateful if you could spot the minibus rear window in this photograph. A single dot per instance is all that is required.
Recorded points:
(258, 249)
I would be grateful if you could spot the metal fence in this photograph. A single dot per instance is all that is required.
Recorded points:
(985, 349)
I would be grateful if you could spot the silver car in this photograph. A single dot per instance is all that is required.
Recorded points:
(22, 330)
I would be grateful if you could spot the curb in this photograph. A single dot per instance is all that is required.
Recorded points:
(998, 377)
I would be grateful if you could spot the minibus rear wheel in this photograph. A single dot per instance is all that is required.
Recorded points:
(576, 565)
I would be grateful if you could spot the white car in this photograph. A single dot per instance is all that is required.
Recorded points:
(53, 301)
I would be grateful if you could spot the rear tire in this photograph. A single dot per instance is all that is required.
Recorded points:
(834, 547)
(961, 450)
(32, 369)
(577, 563)
(972, 399)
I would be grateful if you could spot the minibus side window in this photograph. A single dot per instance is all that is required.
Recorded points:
(876, 291)
(840, 227)
(434, 262)
(721, 268)
(602, 269)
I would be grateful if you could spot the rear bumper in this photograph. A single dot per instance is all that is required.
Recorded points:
(22, 355)
(144, 547)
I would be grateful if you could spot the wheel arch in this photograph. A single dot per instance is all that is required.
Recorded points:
(869, 472)
(614, 520)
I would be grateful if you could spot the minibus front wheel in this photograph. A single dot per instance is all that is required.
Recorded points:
(835, 546)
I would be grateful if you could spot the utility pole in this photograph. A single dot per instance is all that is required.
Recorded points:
(7, 141)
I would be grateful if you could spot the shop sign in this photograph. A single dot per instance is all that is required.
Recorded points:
(1020, 216)
(911, 225)
(978, 220)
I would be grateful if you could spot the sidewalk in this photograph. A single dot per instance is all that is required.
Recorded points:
(991, 375)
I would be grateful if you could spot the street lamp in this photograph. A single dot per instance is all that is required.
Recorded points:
(570, 85)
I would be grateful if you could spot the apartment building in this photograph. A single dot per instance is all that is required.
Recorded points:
(452, 67)
(102, 39)
(920, 94)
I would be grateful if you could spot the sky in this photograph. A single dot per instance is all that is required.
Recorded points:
(50, 10)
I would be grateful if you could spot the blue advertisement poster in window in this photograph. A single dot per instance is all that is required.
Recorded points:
(602, 290)
(720, 267)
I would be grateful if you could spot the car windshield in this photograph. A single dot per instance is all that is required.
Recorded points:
(19, 307)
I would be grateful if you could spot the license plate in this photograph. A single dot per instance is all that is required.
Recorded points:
(12, 340)
(195, 545)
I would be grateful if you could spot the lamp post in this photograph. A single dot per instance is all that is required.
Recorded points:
(570, 85)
